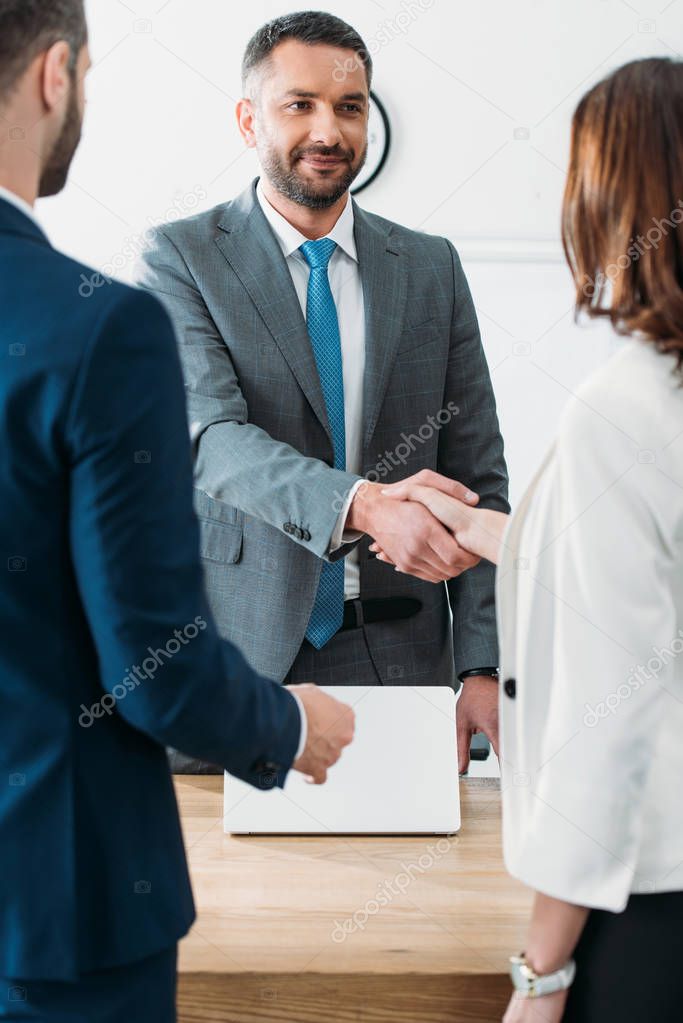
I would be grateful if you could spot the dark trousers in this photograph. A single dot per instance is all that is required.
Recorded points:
(344, 661)
(141, 992)
(628, 965)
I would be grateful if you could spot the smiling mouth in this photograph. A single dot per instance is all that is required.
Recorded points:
(323, 162)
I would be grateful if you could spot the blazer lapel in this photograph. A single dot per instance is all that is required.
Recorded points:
(253, 252)
(251, 249)
(384, 281)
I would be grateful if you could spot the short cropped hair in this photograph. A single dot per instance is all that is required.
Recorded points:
(310, 27)
(28, 27)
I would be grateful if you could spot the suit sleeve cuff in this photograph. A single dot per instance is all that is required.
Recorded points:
(304, 725)
(341, 535)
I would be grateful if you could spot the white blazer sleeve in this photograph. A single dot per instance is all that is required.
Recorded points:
(609, 562)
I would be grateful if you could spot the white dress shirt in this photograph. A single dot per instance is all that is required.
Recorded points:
(590, 608)
(347, 291)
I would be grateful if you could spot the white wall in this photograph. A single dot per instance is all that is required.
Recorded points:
(480, 94)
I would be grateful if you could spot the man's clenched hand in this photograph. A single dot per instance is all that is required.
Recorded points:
(330, 728)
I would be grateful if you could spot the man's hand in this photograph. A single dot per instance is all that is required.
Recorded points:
(477, 530)
(330, 728)
(476, 711)
(408, 534)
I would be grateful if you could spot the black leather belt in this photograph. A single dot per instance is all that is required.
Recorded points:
(378, 609)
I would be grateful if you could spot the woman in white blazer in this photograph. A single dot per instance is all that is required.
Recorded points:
(590, 595)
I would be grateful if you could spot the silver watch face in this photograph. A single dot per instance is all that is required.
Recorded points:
(522, 975)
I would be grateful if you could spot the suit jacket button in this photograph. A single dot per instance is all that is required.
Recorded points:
(510, 687)
(266, 772)
(287, 527)
(307, 535)
(298, 533)
(265, 767)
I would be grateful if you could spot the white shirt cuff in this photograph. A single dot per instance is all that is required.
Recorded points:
(341, 535)
(304, 725)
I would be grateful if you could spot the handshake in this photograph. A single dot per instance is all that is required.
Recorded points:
(427, 525)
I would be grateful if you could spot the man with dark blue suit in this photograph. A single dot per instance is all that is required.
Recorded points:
(108, 651)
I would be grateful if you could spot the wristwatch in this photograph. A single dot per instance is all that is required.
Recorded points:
(473, 672)
(530, 984)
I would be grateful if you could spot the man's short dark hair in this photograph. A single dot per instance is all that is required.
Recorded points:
(28, 27)
(310, 27)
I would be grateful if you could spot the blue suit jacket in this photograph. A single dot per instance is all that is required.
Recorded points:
(108, 652)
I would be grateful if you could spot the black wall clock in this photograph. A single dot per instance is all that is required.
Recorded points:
(379, 144)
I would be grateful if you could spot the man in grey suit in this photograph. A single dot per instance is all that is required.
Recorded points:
(329, 353)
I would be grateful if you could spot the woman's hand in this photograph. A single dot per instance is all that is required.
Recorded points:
(547, 1009)
(555, 929)
(477, 530)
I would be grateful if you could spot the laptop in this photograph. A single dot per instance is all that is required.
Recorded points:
(398, 777)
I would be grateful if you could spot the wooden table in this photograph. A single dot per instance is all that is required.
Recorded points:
(325, 930)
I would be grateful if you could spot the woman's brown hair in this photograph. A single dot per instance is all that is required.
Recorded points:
(623, 202)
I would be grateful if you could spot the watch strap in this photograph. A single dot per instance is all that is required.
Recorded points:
(472, 672)
(530, 984)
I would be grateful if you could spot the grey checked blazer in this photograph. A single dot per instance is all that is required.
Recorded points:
(266, 494)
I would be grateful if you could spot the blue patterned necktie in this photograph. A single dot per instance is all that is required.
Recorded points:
(323, 328)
